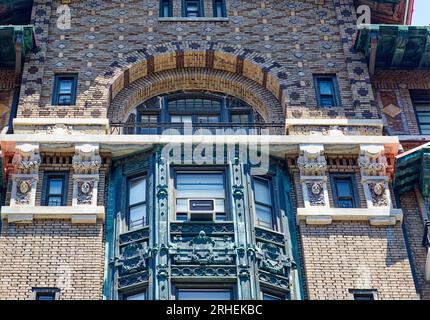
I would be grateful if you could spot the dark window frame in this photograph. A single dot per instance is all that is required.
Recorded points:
(336, 94)
(207, 286)
(223, 8)
(415, 102)
(54, 293)
(47, 177)
(274, 293)
(201, 10)
(129, 179)
(275, 224)
(355, 194)
(204, 169)
(372, 294)
(170, 9)
(56, 90)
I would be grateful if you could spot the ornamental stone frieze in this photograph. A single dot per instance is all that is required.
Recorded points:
(373, 165)
(86, 164)
(313, 165)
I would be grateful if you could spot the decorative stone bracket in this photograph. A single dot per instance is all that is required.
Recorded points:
(26, 162)
(373, 166)
(85, 189)
(313, 165)
(86, 164)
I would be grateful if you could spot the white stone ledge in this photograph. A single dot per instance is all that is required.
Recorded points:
(326, 216)
(77, 214)
(334, 122)
(55, 121)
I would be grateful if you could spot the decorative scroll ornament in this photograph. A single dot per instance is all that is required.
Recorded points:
(372, 161)
(26, 159)
(272, 259)
(86, 159)
(312, 162)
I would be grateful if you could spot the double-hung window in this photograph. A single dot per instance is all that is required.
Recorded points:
(65, 89)
(344, 192)
(137, 210)
(192, 8)
(421, 102)
(220, 10)
(200, 196)
(264, 208)
(166, 8)
(327, 91)
(55, 189)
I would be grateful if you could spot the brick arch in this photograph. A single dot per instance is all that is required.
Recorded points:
(263, 101)
(145, 62)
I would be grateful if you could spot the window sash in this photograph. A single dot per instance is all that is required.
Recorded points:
(137, 201)
(166, 8)
(345, 200)
(64, 90)
(192, 8)
(55, 198)
(200, 185)
(219, 9)
(264, 208)
(327, 91)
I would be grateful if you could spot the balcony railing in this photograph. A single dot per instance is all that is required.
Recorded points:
(169, 128)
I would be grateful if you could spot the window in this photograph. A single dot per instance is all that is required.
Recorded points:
(46, 294)
(344, 193)
(166, 8)
(421, 102)
(327, 91)
(200, 196)
(192, 8)
(364, 294)
(148, 123)
(137, 213)
(263, 203)
(272, 296)
(204, 294)
(64, 90)
(55, 189)
(219, 8)
(135, 296)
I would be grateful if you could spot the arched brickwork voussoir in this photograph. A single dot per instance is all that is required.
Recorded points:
(263, 101)
(145, 62)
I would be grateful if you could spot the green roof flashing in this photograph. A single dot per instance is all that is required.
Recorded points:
(397, 46)
(9, 36)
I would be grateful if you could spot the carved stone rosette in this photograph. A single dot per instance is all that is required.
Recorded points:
(26, 162)
(373, 165)
(86, 164)
(313, 165)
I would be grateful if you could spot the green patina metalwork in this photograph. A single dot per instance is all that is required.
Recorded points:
(398, 47)
(413, 169)
(9, 36)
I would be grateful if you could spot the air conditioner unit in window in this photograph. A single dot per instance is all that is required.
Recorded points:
(201, 209)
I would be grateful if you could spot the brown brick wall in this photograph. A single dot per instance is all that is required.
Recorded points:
(290, 40)
(7, 82)
(392, 87)
(52, 254)
(415, 231)
(346, 256)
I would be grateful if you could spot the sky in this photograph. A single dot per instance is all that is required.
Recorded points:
(421, 15)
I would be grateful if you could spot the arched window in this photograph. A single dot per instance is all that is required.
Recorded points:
(198, 109)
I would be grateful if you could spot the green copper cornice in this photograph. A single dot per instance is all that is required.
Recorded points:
(10, 38)
(395, 47)
(412, 169)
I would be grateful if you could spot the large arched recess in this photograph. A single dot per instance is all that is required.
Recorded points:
(239, 64)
